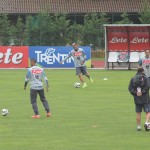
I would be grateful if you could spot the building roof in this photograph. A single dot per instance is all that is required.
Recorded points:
(69, 6)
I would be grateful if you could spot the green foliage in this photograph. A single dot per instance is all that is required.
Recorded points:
(99, 117)
(75, 33)
(5, 30)
(145, 13)
(18, 32)
(125, 19)
(45, 29)
(61, 29)
(29, 30)
(93, 31)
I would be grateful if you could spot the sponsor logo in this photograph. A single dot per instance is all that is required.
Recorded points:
(146, 61)
(36, 71)
(139, 40)
(50, 57)
(118, 40)
(13, 57)
(77, 53)
(9, 57)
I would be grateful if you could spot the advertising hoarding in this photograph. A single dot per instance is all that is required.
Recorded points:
(13, 56)
(51, 56)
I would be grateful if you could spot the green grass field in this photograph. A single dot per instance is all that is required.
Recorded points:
(100, 117)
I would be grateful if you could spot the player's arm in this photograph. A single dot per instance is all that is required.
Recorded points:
(46, 80)
(84, 57)
(140, 63)
(69, 55)
(26, 79)
(131, 88)
(146, 87)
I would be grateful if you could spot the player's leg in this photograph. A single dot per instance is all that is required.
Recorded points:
(147, 118)
(79, 73)
(84, 72)
(149, 81)
(44, 102)
(138, 116)
(33, 97)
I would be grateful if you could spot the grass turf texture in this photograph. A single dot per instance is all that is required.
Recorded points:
(100, 117)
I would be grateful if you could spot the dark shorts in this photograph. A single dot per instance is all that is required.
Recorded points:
(80, 70)
(145, 107)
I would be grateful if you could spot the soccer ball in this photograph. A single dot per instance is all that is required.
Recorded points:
(77, 85)
(4, 112)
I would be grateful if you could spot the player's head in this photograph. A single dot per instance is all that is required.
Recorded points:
(147, 53)
(32, 62)
(140, 70)
(75, 46)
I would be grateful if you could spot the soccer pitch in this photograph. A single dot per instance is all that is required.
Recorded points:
(99, 117)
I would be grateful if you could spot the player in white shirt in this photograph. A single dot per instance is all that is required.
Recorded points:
(35, 75)
(79, 57)
(145, 63)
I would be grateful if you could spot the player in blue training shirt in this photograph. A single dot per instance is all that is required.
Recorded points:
(79, 61)
(35, 75)
(145, 63)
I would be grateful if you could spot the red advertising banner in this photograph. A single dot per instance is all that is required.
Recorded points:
(14, 56)
(117, 39)
(138, 38)
(128, 38)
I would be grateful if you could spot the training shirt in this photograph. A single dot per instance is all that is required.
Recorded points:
(78, 56)
(145, 63)
(35, 75)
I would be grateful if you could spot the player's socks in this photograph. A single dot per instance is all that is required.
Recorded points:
(84, 85)
(35, 116)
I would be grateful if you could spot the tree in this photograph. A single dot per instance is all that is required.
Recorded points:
(28, 30)
(145, 13)
(5, 32)
(93, 31)
(18, 32)
(75, 33)
(125, 19)
(61, 29)
(44, 29)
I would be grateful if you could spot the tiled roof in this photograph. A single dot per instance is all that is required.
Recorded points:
(70, 6)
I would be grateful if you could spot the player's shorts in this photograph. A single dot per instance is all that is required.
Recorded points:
(80, 70)
(145, 107)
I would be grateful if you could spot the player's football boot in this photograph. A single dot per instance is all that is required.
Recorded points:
(84, 85)
(48, 114)
(146, 127)
(35, 116)
(139, 129)
(91, 80)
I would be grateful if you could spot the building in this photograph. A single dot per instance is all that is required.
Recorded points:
(75, 8)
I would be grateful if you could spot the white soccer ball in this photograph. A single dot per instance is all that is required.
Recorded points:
(4, 112)
(77, 85)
